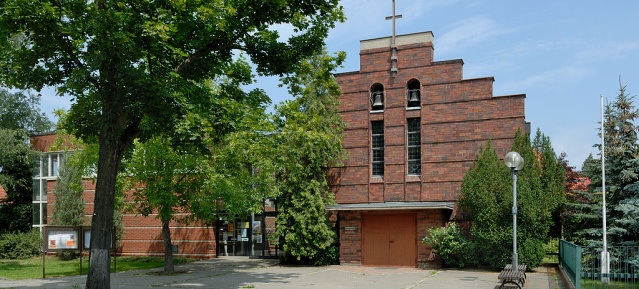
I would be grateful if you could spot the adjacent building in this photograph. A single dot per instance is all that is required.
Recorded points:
(142, 235)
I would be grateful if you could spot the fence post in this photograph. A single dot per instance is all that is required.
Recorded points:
(577, 267)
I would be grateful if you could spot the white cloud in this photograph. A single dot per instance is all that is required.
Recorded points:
(606, 51)
(544, 78)
(469, 32)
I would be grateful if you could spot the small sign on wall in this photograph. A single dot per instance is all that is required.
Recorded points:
(350, 228)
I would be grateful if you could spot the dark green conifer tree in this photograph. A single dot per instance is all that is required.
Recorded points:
(582, 210)
(311, 139)
(622, 168)
(487, 196)
(68, 208)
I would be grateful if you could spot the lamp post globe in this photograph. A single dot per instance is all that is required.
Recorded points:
(515, 162)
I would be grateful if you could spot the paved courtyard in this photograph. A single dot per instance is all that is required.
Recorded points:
(238, 272)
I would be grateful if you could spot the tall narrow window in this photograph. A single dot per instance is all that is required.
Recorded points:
(414, 147)
(377, 147)
(49, 168)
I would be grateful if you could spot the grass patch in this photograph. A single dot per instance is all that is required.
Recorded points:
(590, 283)
(32, 268)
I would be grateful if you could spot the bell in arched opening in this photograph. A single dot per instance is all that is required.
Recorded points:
(376, 99)
(413, 95)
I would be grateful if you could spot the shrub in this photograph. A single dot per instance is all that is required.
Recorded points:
(325, 257)
(494, 246)
(20, 245)
(67, 255)
(449, 244)
(329, 256)
(531, 252)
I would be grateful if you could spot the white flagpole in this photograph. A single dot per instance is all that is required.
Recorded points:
(605, 257)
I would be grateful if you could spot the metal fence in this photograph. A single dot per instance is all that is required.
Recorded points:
(624, 268)
(583, 266)
(570, 262)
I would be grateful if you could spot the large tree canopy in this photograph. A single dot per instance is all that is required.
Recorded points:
(135, 68)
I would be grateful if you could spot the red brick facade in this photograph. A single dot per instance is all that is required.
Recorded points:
(142, 235)
(457, 116)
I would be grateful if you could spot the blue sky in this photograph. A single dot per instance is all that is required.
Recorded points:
(562, 54)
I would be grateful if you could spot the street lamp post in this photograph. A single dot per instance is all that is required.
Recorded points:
(515, 162)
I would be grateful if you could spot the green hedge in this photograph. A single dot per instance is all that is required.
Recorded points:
(20, 245)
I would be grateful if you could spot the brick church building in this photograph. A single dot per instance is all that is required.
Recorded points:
(413, 129)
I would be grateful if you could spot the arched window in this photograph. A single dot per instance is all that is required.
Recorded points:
(377, 96)
(413, 93)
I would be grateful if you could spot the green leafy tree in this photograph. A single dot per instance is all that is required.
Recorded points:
(241, 164)
(311, 130)
(20, 111)
(68, 208)
(19, 116)
(134, 69)
(16, 177)
(223, 176)
(163, 179)
(239, 177)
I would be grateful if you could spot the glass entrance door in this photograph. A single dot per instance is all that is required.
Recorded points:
(234, 237)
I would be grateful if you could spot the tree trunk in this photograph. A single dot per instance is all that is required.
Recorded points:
(110, 155)
(168, 249)
(114, 139)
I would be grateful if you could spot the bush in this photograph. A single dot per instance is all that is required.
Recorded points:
(67, 255)
(531, 252)
(327, 256)
(494, 246)
(449, 244)
(330, 256)
(20, 245)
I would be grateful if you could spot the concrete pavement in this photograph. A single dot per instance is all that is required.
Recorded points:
(241, 272)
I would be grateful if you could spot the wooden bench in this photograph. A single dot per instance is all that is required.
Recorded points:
(510, 276)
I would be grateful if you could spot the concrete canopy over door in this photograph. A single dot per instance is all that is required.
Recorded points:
(389, 240)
